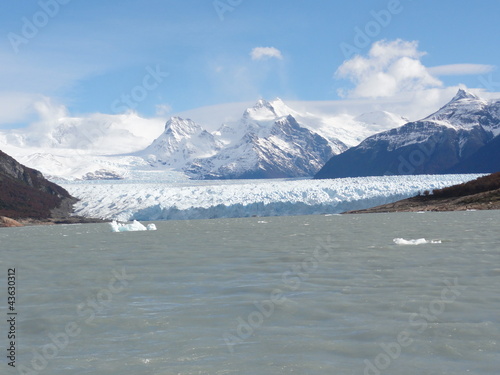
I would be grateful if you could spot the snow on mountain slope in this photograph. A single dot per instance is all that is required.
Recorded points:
(95, 146)
(267, 142)
(244, 198)
(267, 150)
(432, 145)
(99, 133)
(180, 143)
(348, 129)
(77, 164)
(379, 121)
(460, 112)
(83, 147)
(271, 140)
(466, 114)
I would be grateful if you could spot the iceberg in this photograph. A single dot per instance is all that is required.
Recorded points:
(420, 241)
(135, 226)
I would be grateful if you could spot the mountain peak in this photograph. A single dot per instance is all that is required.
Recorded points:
(265, 110)
(264, 104)
(260, 111)
(460, 112)
(463, 94)
(181, 127)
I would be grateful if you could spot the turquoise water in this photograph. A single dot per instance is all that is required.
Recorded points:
(281, 295)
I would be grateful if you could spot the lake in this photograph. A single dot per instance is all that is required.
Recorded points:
(324, 294)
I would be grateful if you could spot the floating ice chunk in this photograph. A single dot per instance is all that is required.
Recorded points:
(135, 226)
(151, 226)
(420, 241)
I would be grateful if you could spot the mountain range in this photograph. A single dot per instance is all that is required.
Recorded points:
(268, 142)
(461, 137)
(270, 139)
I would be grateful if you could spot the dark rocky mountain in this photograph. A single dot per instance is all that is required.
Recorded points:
(462, 135)
(486, 159)
(25, 193)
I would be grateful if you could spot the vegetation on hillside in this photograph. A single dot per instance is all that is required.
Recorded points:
(479, 185)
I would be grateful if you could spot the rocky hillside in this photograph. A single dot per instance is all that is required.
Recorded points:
(25, 193)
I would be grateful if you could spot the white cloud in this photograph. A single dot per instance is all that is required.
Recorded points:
(261, 53)
(163, 109)
(16, 108)
(460, 69)
(391, 67)
(50, 111)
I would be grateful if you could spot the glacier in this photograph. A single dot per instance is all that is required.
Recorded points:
(150, 201)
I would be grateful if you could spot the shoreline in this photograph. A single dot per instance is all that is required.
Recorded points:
(414, 205)
(7, 222)
(482, 193)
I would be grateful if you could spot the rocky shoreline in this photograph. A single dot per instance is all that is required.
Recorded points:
(6, 222)
(480, 194)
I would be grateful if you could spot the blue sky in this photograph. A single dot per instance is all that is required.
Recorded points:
(163, 56)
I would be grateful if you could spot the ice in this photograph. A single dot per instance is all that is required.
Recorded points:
(126, 201)
(420, 241)
(135, 226)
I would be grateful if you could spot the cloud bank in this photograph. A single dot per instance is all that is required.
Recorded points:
(391, 67)
(460, 69)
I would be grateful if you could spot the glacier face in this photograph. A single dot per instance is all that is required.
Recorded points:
(244, 198)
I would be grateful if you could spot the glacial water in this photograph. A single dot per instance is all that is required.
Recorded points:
(282, 295)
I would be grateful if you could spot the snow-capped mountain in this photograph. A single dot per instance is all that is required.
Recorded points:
(66, 147)
(269, 139)
(180, 143)
(267, 150)
(267, 142)
(432, 145)
(99, 133)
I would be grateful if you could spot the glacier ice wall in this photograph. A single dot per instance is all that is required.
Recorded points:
(245, 198)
